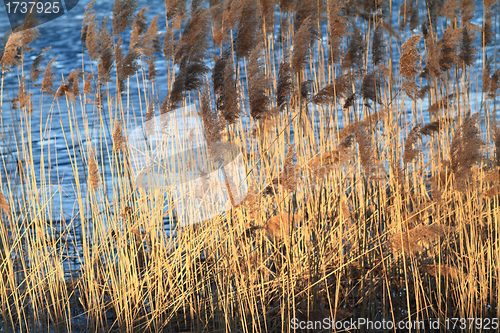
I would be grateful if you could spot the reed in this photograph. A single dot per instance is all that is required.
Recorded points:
(371, 155)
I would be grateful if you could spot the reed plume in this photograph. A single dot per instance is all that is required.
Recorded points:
(354, 55)
(449, 48)
(408, 69)
(487, 33)
(87, 86)
(408, 13)
(4, 204)
(410, 153)
(192, 46)
(444, 270)
(23, 97)
(267, 8)
(366, 150)
(338, 24)
(123, 15)
(228, 101)
(150, 42)
(467, 51)
(304, 10)
(211, 124)
(492, 192)
(414, 240)
(48, 78)
(257, 84)
(371, 85)
(90, 33)
(278, 226)
(431, 128)
(285, 85)
(494, 84)
(64, 90)
(106, 58)
(321, 165)
(378, 46)
(339, 89)
(248, 30)
(175, 8)
(138, 28)
(188, 78)
(302, 42)
(119, 140)
(289, 174)
(465, 150)
(36, 70)
(94, 176)
(12, 55)
(432, 56)
(287, 5)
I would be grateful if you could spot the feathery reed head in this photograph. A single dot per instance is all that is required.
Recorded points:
(94, 176)
(48, 78)
(123, 15)
(248, 29)
(285, 85)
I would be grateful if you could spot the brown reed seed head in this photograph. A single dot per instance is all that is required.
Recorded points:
(35, 70)
(449, 48)
(378, 48)
(413, 240)
(229, 97)
(248, 30)
(12, 54)
(285, 85)
(123, 15)
(119, 139)
(278, 226)
(48, 78)
(443, 270)
(410, 55)
(492, 192)
(94, 176)
(431, 128)
(354, 55)
(302, 42)
(468, 52)
(4, 204)
(410, 153)
(151, 40)
(138, 28)
(211, 124)
(23, 97)
(87, 85)
(106, 58)
(257, 84)
(371, 85)
(338, 28)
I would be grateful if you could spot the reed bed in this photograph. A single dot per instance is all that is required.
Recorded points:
(370, 138)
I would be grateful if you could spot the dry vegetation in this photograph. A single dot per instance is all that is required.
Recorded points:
(374, 183)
